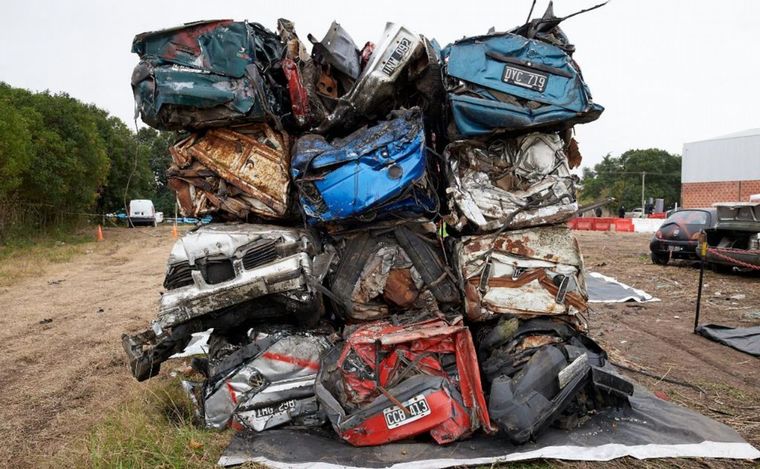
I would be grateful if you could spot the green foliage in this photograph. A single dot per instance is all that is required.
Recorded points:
(60, 157)
(15, 147)
(620, 177)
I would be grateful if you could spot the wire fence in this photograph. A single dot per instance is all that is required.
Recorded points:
(19, 220)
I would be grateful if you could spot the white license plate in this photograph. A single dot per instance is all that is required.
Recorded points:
(269, 412)
(675, 248)
(417, 406)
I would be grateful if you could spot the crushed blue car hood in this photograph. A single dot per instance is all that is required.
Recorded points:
(368, 169)
(480, 62)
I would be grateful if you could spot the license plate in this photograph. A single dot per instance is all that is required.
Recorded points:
(417, 406)
(269, 412)
(402, 48)
(524, 78)
(675, 248)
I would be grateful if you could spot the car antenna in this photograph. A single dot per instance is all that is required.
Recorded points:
(530, 13)
(587, 9)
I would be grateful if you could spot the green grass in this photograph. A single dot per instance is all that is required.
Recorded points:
(153, 429)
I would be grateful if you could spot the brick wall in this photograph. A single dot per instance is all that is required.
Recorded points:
(704, 194)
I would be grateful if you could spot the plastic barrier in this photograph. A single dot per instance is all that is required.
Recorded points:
(624, 224)
(604, 224)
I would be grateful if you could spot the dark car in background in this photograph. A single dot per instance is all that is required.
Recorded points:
(678, 236)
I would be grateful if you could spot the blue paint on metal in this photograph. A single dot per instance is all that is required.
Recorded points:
(372, 172)
(480, 62)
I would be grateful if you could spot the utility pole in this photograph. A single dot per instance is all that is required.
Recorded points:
(643, 178)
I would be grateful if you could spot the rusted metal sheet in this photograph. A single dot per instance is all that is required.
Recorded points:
(526, 273)
(514, 182)
(241, 170)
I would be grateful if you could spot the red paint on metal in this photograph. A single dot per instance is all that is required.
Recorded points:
(231, 390)
(292, 360)
(299, 99)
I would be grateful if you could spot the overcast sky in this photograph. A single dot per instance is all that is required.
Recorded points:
(667, 72)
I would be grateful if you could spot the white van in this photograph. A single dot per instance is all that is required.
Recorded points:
(142, 212)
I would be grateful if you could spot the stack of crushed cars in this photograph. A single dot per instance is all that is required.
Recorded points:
(389, 254)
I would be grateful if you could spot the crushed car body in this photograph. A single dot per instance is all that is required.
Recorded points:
(239, 171)
(389, 269)
(510, 82)
(374, 171)
(524, 273)
(219, 270)
(263, 384)
(509, 182)
(544, 371)
(392, 380)
(204, 74)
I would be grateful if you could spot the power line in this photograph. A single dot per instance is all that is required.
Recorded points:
(634, 172)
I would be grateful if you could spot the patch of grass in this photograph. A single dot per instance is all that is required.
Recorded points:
(23, 258)
(153, 429)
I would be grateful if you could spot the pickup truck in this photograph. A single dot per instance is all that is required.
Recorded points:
(734, 240)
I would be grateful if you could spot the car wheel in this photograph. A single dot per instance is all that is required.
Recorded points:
(660, 259)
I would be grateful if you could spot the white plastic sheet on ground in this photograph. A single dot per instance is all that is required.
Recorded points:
(604, 289)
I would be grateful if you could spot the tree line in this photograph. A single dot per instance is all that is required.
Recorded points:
(620, 177)
(61, 155)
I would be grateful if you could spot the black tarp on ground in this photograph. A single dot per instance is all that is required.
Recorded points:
(743, 339)
(652, 428)
(604, 289)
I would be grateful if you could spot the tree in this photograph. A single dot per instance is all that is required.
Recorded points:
(130, 176)
(15, 148)
(67, 159)
(620, 177)
(156, 145)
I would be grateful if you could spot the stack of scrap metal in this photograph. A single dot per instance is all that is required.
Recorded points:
(419, 279)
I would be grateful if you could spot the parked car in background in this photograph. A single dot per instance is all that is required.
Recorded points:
(735, 236)
(142, 212)
(678, 236)
(635, 213)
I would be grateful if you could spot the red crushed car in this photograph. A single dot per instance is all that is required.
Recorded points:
(398, 378)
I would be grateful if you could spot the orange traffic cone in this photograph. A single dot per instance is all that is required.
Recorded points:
(175, 235)
(100, 234)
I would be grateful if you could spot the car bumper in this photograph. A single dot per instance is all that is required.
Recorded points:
(676, 249)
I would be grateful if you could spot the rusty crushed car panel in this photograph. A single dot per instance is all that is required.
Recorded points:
(239, 170)
(524, 273)
(391, 269)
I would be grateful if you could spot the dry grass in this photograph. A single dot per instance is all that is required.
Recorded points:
(153, 428)
(29, 258)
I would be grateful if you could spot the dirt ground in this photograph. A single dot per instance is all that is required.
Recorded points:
(63, 368)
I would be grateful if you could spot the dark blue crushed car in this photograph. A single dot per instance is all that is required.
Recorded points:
(521, 80)
(206, 74)
(375, 171)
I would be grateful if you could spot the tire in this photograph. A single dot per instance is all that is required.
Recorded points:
(660, 259)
